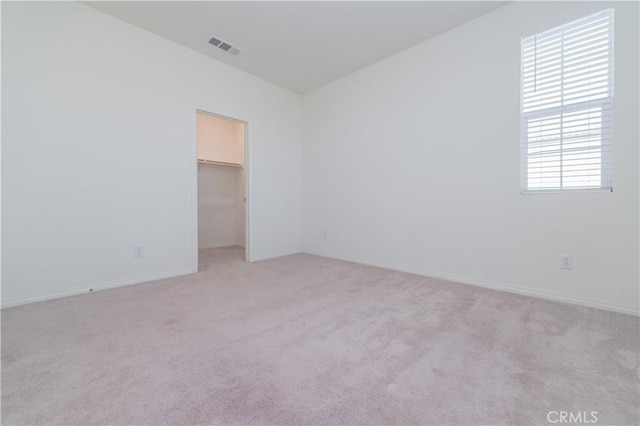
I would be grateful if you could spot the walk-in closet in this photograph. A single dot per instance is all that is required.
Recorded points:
(221, 185)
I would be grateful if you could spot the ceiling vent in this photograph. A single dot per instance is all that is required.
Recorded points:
(223, 45)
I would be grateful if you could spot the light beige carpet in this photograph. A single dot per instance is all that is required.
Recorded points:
(308, 340)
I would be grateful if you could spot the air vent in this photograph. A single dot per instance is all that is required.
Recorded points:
(223, 45)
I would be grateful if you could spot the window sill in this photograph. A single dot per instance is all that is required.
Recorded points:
(564, 191)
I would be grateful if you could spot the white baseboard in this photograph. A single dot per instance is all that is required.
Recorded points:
(539, 294)
(103, 286)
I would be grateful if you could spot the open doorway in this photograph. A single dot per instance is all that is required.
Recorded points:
(222, 187)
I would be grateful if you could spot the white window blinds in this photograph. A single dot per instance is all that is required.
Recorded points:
(567, 94)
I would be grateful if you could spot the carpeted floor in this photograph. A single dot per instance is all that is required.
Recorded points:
(308, 340)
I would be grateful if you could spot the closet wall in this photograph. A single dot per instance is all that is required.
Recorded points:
(221, 182)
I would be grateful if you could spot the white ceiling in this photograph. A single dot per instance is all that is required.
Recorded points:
(298, 45)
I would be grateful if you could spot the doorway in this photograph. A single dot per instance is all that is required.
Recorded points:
(221, 188)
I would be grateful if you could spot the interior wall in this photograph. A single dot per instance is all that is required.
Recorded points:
(413, 164)
(217, 215)
(98, 155)
(240, 206)
(220, 139)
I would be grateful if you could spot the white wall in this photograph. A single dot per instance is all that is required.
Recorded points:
(220, 139)
(217, 213)
(413, 163)
(240, 206)
(99, 152)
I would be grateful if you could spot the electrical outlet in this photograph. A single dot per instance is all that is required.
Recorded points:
(324, 235)
(566, 261)
(138, 251)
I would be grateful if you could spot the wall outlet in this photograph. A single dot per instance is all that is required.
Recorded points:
(324, 235)
(566, 261)
(138, 251)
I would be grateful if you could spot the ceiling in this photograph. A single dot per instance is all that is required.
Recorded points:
(298, 45)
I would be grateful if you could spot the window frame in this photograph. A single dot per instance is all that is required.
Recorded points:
(603, 103)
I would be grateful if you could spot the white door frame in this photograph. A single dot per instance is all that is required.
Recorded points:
(247, 186)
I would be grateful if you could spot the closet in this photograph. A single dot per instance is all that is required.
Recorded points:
(221, 181)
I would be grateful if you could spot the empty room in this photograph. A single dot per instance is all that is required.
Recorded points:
(320, 213)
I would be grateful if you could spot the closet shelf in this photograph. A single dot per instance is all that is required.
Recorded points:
(218, 163)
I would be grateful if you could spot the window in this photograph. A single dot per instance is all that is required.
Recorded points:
(566, 106)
